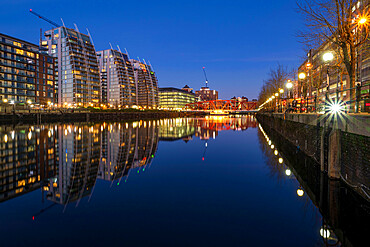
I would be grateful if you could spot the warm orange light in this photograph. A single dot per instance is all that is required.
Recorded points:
(362, 20)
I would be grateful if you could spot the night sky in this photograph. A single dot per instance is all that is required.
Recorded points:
(237, 41)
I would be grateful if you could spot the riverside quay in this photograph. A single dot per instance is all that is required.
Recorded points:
(185, 123)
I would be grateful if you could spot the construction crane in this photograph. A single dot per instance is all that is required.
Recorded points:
(44, 18)
(205, 75)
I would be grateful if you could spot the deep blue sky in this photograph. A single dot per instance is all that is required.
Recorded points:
(237, 41)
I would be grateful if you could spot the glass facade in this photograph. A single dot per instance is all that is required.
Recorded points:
(147, 85)
(173, 98)
(118, 87)
(78, 71)
(26, 75)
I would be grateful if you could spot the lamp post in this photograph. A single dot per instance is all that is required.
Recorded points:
(301, 76)
(327, 57)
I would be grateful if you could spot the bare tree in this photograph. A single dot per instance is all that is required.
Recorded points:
(342, 23)
(277, 78)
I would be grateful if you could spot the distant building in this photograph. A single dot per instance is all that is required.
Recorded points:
(78, 71)
(118, 87)
(174, 98)
(205, 94)
(147, 85)
(26, 74)
(187, 89)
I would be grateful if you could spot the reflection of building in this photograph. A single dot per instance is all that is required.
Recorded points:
(147, 85)
(79, 149)
(78, 72)
(28, 158)
(26, 75)
(205, 94)
(176, 128)
(210, 126)
(173, 98)
(127, 146)
(117, 79)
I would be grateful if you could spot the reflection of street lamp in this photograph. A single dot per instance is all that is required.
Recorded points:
(325, 233)
(300, 192)
(288, 172)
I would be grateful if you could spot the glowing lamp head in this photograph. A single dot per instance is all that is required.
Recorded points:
(328, 56)
(276, 94)
(281, 90)
(300, 192)
(335, 108)
(301, 75)
(5, 100)
(281, 160)
(273, 96)
(276, 152)
(289, 85)
(29, 102)
(362, 20)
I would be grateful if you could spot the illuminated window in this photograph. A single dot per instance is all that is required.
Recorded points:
(17, 44)
(18, 51)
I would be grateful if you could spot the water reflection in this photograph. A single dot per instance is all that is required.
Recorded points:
(66, 160)
(342, 213)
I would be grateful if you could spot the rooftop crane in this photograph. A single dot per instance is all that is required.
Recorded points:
(205, 75)
(44, 18)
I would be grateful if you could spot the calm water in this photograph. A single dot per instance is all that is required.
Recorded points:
(174, 182)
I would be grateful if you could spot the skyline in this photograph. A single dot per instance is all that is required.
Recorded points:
(179, 46)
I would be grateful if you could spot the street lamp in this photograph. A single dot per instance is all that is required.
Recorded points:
(328, 56)
(302, 75)
(362, 20)
(289, 85)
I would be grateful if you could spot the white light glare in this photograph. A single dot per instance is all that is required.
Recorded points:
(335, 108)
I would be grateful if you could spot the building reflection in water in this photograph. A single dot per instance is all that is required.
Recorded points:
(28, 157)
(66, 160)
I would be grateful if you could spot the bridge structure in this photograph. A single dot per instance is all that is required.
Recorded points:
(233, 106)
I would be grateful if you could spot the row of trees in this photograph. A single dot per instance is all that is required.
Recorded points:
(344, 24)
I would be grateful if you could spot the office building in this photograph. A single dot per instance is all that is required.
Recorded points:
(27, 76)
(205, 94)
(118, 87)
(77, 66)
(174, 99)
(147, 85)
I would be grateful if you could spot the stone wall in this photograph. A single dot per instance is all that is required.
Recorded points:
(335, 147)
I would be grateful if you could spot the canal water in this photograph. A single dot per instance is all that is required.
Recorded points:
(214, 181)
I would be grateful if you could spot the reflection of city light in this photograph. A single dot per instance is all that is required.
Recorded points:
(325, 233)
(288, 172)
(29, 135)
(280, 160)
(6, 138)
(300, 192)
